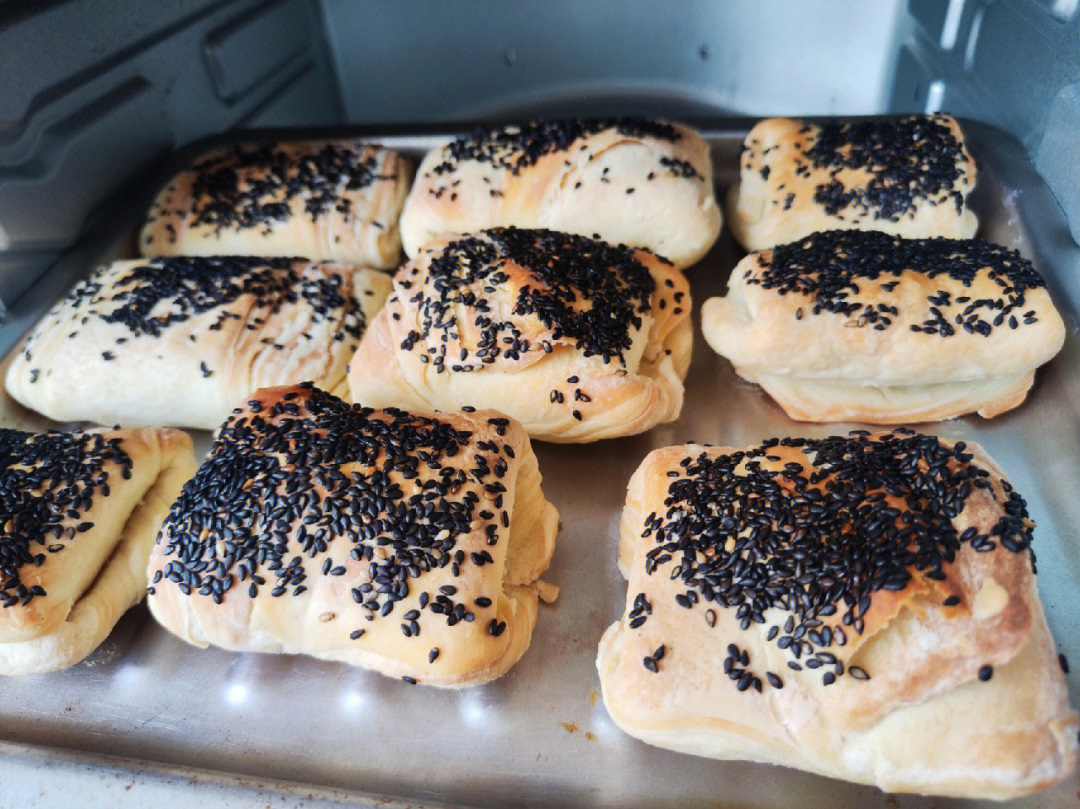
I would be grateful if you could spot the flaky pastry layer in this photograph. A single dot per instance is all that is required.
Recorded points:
(558, 386)
(447, 606)
(945, 684)
(180, 341)
(908, 177)
(119, 585)
(325, 200)
(642, 183)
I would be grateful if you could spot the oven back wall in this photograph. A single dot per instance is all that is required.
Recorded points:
(414, 60)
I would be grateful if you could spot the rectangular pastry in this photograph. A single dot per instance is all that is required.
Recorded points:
(861, 607)
(637, 182)
(81, 511)
(575, 338)
(862, 326)
(180, 341)
(906, 176)
(405, 543)
(336, 200)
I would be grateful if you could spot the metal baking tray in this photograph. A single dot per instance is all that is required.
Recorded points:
(164, 719)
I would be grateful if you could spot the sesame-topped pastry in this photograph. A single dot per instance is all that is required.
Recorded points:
(80, 513)
(906, 176)
(406, 543)
(575, 338)
(643, 183)
(335, 200)
(862, 607)
(180, 341)
(862, 326)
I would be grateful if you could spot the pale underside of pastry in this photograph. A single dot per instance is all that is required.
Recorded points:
(423, 566)
(180, 341)
(93, 563)
(323, 200)
(861, 326)
(908, 177)
(936, 680)
(576, 339)
(645, 184)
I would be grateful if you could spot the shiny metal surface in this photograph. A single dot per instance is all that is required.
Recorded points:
(540, 735)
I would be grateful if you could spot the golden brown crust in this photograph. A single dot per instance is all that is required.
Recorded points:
(946, 328)
(408, 523)
(91, 546)
(964, 660)
(908, 177)
(131, 346)
(645, 184)
(497, 342)
(324, 200)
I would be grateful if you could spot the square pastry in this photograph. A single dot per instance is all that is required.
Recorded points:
(905, 176)
(575, 338)
(863, 326)
(180, 341)
(336, 200)
(630, 181)
(406, 543)
(80, 513)
(861, 607)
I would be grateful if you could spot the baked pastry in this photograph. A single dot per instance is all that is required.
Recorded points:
(862, 326)
(861, 607)
(404, 543)
(906, 176)
(628, 181)
(336, 200)
(80, 514)
(181, 340)
(575, 338)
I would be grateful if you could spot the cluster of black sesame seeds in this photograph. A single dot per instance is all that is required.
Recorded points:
(48, 482)
(652, 662)
(253, 186)
(640, 611)
(680, 168)
(909, 159)
(186, 287)
(584, 290)
(817, 540)
(150, 297)
(737, 668)
(313, 477)
(519, 146)
(831, 267)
